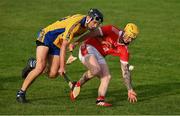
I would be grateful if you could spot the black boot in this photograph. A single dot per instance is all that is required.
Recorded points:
(21, 96)
(31, 64)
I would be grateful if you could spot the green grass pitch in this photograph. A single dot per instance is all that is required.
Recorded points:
(155, 54)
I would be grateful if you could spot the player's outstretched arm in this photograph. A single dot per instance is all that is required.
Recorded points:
(126, 75)
(62, 57)
(127, 81)
(90, 34)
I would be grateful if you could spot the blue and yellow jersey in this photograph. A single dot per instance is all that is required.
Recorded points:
(66, 28)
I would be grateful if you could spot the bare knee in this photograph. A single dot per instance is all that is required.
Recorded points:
(96, 71)
(106, 78)
(52, 74)
(39, 68)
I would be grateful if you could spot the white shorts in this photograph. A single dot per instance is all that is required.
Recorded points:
(91, 51)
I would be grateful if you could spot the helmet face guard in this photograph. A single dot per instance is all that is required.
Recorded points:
(98, 19)
(130, 35)
(95, 14)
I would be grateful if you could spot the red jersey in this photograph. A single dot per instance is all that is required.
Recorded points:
(112, 35)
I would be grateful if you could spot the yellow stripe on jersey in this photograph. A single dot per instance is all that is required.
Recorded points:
(70, 24)
(73, 24)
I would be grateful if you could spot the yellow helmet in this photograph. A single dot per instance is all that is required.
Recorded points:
(131, 30)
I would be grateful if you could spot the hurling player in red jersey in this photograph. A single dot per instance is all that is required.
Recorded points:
(107, 40)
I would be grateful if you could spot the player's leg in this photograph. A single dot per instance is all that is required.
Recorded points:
(90, 61)
(31, 64)
(87, 55)
(105, 79)
(53, 62)
(41, 56)
(93, 67)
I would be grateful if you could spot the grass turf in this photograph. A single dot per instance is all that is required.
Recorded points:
(155, 54)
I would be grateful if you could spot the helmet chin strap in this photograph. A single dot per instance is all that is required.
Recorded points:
(122, 40)
(87, 21)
